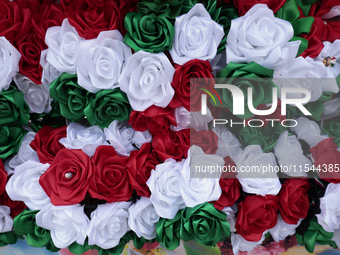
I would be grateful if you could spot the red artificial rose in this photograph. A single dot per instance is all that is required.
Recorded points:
(156, 119)
(16, 206)
(139, 166)
(255, 215)
(46, 143)
(14, 21)
(231, 187)
(327, 158)
(30, 49)
(67, 179)
(244, 5)
(294, 202)
(110, 178)
(206, 139)
(3, 178)
(167, 145)
(188, 93)
(89, 20)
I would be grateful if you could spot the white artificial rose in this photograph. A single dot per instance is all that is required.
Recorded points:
(9, 63)
(331, 50)
(231, 218)
(186, 119)
(143, 218)
(260, 37)
(146, 80)
(67, 224)
(100, 61)
(196, 36)
(120, 136)
(63, 44)
(109, 222)
(332, 108)
(288, 152)
(329, 217)
(283, 229)
(24, 185)
(139, 138)
(36, 96)
(308, 131)
(241, 244)
(87, 139)
(49, 73)
(228, 144)
(6, 221)
(251, 165)
(197, 184)
(25, 152)
(164, 185)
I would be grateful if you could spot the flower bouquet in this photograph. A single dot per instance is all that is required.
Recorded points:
(169, 120)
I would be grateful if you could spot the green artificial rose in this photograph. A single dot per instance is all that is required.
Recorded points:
(13, 107)
(162, 8)
(168, 231)
(24, 224)
(205, 224)
(10, 140)
(70, 97)
(315, 234)
(148, 32)
(331, 127)
(8, 238)
(106, 106)
(244, 76)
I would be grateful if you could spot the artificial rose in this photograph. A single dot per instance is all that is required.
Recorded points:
(148, 32)
(327, 158)
(187, 91)
(201, 185)
(63, 44)
(308, 131)
(10, 140)
(288, 151)
(243, 6)
(46, 142)
(143, 218)
(86, 139)
(256, 181)
(162, 8)
(154, 118)
(67, 179)
(110, 178)
(196, 36)
(67, 224)
(165, 190)
(109, 223)
(331, 128)
(168, 232)
(231, 187)
(36, 96)
(6, 221)
(106, 106)
(139, 166)
(50, 73)
(294, 202)
(329, 57)
(70, 97)
(3, 178)
(16, 206)
(13, 106)
(283, 229)
(147, 79)
(24, 185)
(329, 216)
(255, 215)
(140, 138)
(169, 145)
(11, 57)
(30, 49)
(259, 37)
(101, 61)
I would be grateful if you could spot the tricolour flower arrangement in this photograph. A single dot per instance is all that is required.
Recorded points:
(98, 130)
